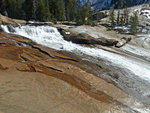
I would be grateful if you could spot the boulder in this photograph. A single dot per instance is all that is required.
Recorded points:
(11, 28)
(83, 38)
(122, 42)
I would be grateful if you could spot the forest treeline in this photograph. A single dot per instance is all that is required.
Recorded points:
(48, 10)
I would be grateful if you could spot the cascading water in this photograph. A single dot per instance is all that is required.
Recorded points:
(44, 35)
(50, 37)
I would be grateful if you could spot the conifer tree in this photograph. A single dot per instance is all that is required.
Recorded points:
(43, 10)
(112, 17)
(83, 12)
(57, 9)
(134, 23)
(19, 11)
(120, 4)
(47, 16)
(126, 16)
(3, 5)
(60, 10)
(34, 9)
(14, 8)
(122, 20)
(118, 17)
(88, 14)
(28, 8)
(79, 11)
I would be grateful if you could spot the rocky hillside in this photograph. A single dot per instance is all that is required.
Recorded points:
(109, 4)
(143, 12)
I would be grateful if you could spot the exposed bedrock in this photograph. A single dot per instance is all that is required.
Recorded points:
(42, 78)
(84, 38)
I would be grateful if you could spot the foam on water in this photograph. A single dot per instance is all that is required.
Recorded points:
(50, 37)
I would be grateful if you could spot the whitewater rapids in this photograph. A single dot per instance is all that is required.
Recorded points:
(50, 37)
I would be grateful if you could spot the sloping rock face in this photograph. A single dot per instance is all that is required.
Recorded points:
(36, 79)
(6, 20)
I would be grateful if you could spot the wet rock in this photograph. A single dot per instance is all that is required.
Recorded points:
(11, 28)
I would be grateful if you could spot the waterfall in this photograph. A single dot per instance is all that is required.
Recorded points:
(44, 35)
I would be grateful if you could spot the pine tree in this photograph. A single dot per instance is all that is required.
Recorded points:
(34, 9)
(3, 4)
(122, 20)
(79, 11)
(83, 14)
(57, 9)
(43, 10)
(120, 4)
(28, 8)
(60, 10)
(14, 8)
(112, 17)
(126, 16)
(134, 23)
(47, 11)
(19, 11)
(88, 14)
(118, 17)
(71, 9)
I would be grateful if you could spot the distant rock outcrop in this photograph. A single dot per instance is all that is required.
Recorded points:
(7, 20)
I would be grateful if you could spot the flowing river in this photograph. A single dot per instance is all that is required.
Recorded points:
(133, 68)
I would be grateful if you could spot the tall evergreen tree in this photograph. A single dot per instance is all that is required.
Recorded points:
(57, 9)
(34, 9)
(134, 23)
(126, 16)
(120, 4)
(87, 11)
(14, 8)
(79, 12)
(112, 17)
(60, 10)
(28, 8)
(118, 17)
(43, 11)
(84, 14)
(3, 4)
(122, 20)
